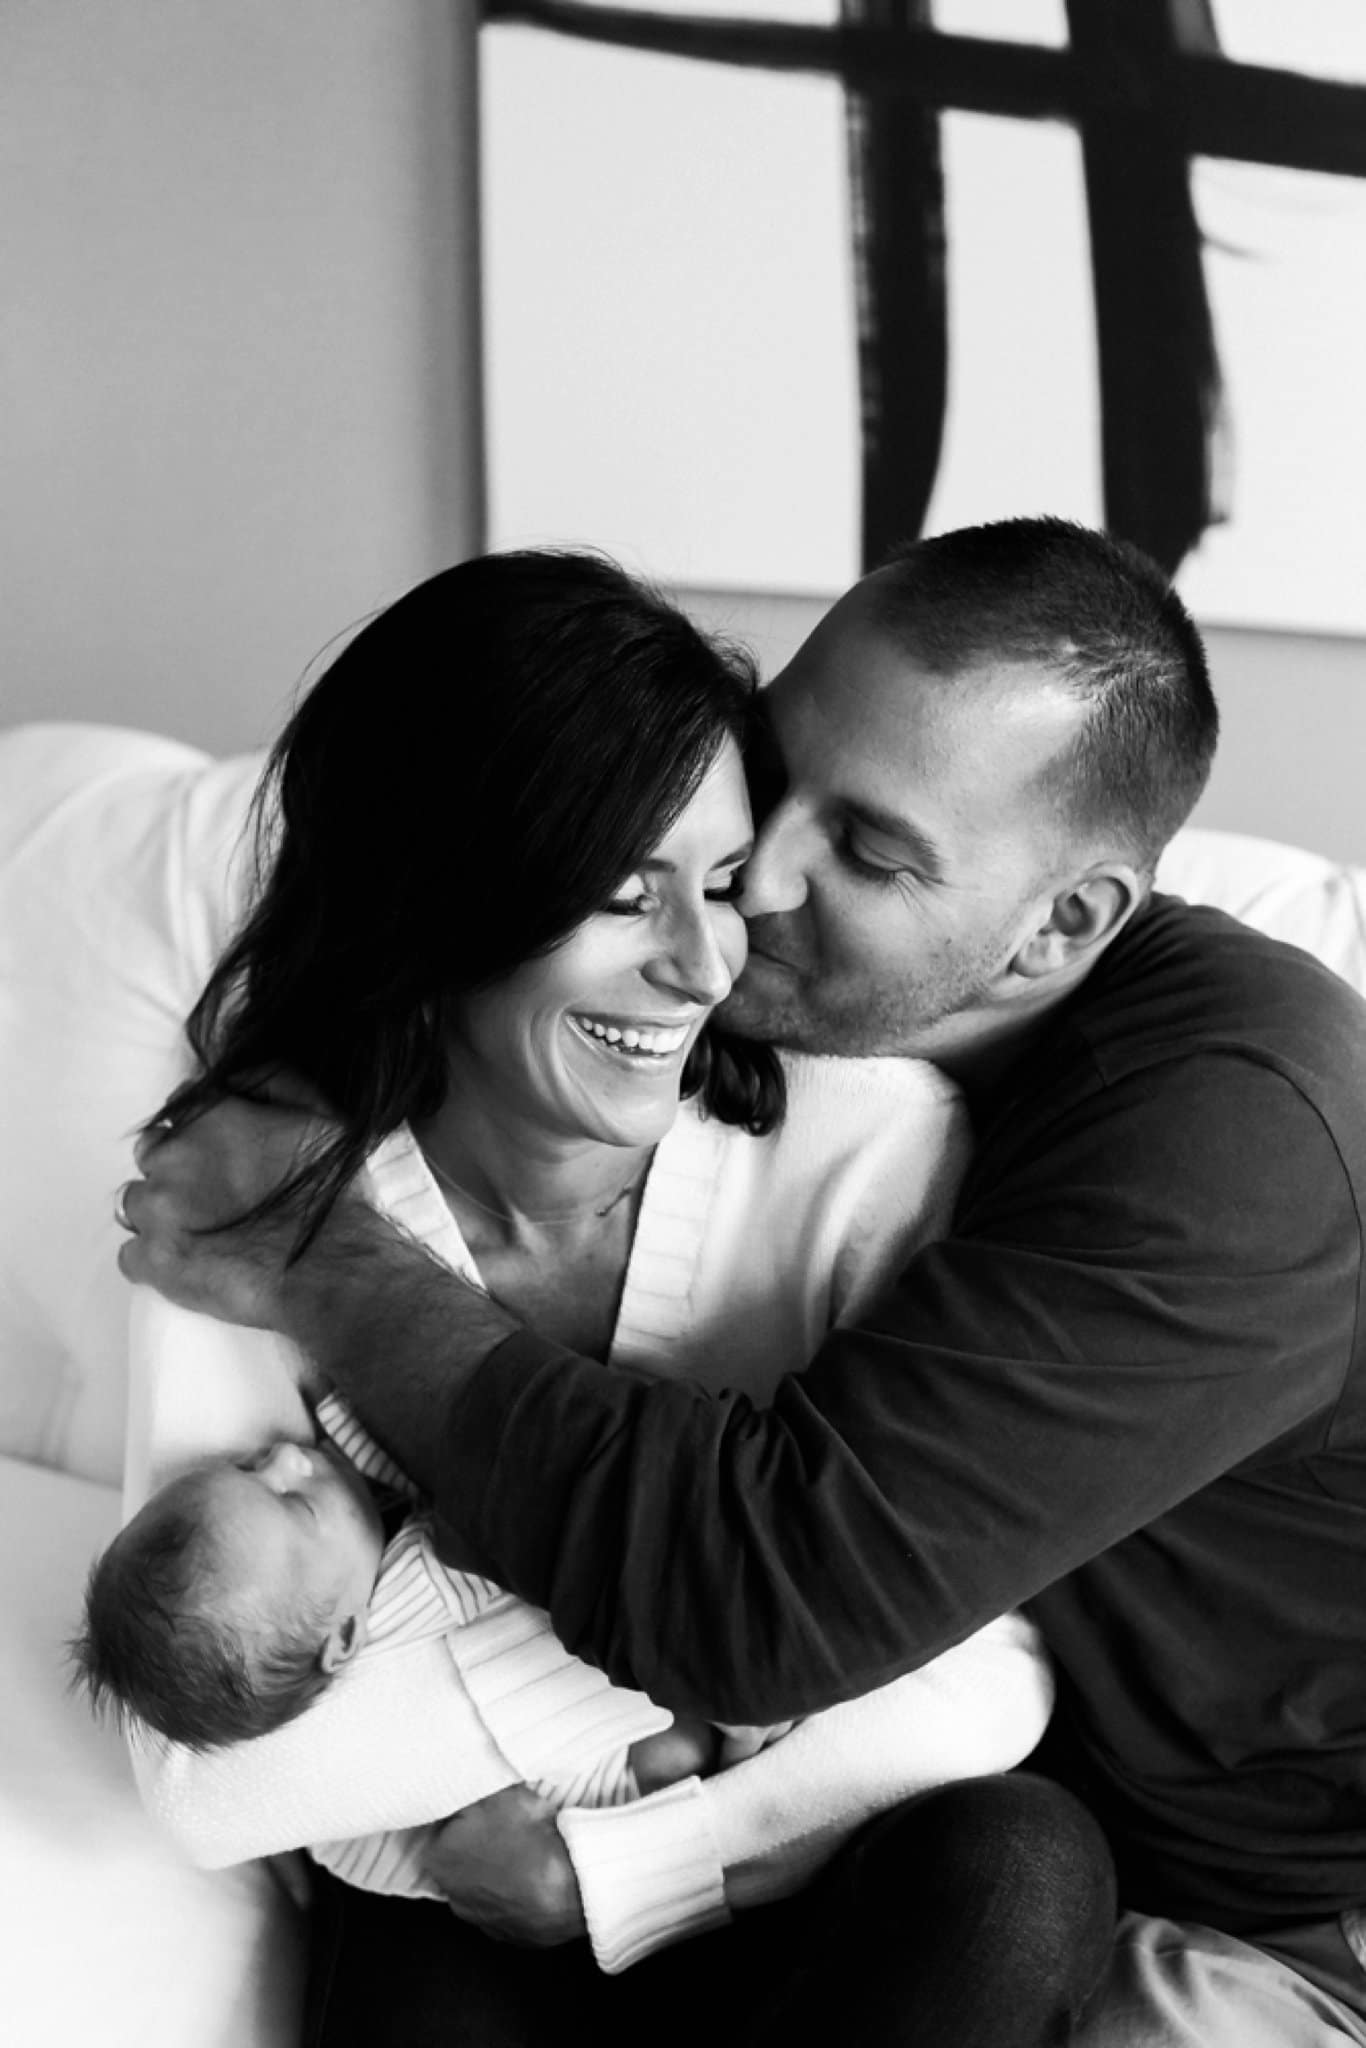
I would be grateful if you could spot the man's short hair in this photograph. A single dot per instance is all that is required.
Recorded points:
(1103, 617)
(153, 1651)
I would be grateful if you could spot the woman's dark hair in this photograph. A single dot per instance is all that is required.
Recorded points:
(474, 775)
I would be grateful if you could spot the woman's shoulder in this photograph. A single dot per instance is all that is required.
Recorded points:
(838, 1105)
(797, 1228)
(865, 1089)
(865, 1118)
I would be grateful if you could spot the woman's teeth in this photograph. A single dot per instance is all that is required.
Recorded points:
(658, 1044)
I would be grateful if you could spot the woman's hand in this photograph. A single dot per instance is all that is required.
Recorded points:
(195, 1181)
(503, 1867)
(690, 1749)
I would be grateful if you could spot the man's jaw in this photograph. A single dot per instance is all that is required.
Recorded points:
(771, 942)
(765, 1002)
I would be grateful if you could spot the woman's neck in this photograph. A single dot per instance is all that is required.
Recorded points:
(521, 1182)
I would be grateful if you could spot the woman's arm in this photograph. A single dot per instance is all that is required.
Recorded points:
(392, 1743)
(684, 1859)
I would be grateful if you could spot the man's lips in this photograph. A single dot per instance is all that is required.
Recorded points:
(768, 958)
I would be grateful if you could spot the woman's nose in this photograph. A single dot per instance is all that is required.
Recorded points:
(695, 963)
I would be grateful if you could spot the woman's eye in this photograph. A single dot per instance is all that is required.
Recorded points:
(633, 902)
(727, 891)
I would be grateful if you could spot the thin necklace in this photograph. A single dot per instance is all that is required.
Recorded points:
(558, 1216)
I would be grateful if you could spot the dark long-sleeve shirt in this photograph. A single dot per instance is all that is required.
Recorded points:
(1129, 1389)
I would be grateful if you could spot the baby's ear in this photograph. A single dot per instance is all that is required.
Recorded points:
(342, 1642)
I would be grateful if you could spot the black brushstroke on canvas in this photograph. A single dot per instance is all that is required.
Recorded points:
(1147, 90)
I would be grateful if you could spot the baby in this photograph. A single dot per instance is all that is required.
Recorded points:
(239, 1592)
(234, 1597)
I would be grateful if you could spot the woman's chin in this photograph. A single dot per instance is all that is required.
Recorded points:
(633, 1132)
(631, 1124)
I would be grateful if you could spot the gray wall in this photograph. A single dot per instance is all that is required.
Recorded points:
(239, 388)
(238, 363)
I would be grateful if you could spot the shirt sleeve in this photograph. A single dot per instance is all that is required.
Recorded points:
(677, 1863)
(393, 1742)
(1128, 1307)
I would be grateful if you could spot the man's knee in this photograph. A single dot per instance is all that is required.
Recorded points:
(1014, 1843)
(981, 1912)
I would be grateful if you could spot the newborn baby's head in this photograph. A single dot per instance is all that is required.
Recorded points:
(230, 1600)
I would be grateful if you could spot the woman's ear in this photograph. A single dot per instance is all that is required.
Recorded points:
(341, 1642)
(1081, 919)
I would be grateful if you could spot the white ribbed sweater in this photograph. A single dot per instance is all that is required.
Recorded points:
(745, 1252)
(415, 1595)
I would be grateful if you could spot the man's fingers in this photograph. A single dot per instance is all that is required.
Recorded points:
(148, 1141)
(132, 1258)
(146, 1144)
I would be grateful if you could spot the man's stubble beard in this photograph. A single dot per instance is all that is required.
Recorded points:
(863, 1023)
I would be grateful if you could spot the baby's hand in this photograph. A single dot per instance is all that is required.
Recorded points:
(739, 1743)
(687, 1750)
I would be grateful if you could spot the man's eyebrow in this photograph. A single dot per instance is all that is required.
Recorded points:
(890, 825)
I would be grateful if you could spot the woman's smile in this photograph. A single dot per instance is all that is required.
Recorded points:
(636, 1039)
(589, 1040)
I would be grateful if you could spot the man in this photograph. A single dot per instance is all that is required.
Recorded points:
(1129, 1389)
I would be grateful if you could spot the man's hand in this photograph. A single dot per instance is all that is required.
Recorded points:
(503, 1867)
(213, 1170)
(380, 1316)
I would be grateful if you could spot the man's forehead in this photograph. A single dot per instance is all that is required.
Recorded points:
(961, 760)
(854, 677)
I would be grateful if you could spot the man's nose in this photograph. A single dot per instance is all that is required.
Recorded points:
(775, 875)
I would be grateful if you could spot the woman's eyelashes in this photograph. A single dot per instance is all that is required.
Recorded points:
(632, 905)
(728, 890)
(637, 901)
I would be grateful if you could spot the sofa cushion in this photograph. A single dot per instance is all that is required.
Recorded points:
(120, 863)
(110, 1935)
(1315, 903)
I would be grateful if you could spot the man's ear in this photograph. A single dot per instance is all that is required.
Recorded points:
(341, 1643)
(1080, 920)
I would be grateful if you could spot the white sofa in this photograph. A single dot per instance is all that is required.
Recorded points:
(121, 857)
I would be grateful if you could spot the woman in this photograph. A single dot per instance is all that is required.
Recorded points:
(502, 838)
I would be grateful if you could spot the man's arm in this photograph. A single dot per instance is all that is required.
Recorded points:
(1065, 1370)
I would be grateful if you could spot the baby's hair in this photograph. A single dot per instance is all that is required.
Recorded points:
(153, 1653)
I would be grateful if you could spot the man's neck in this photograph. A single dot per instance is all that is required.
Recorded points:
(981, 1055)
